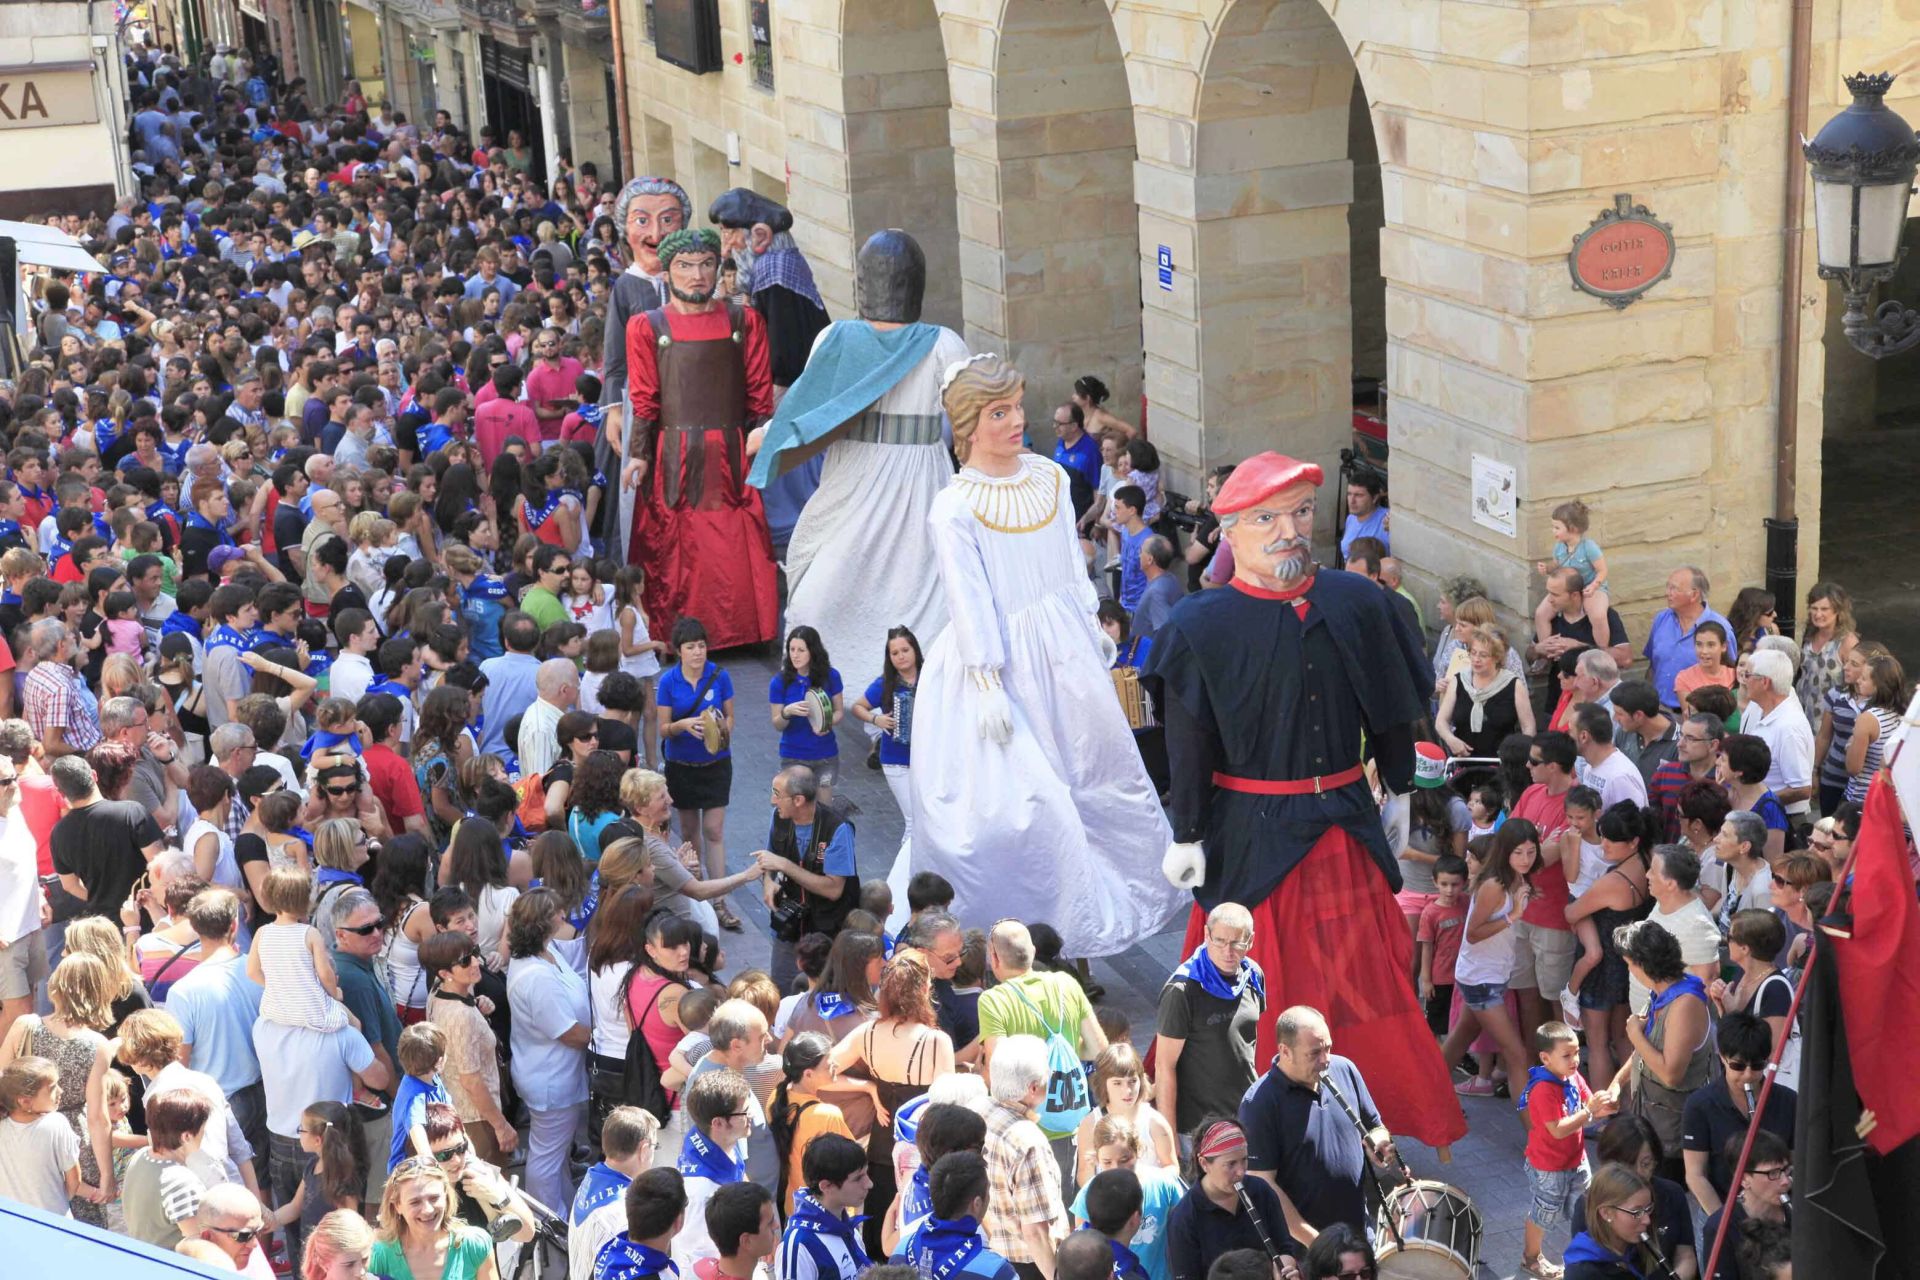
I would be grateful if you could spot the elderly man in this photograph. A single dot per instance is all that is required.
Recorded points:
(1025, 1219)
(1669, 647)
(159, 773)
(101, 847)
(359, 936)
(230, 1219)
(756, 234)
(1164, 587)
(216, 1005)
(808, 867)
(740, 1042)
(1299, 1136)
(1391, 579)
(1030, 1002)
(1208, 1019)
(57, 702)
(328, 520)
(557, 683)
(1571, 630)
(1773, 715)
(938, 934)
(1594, 675)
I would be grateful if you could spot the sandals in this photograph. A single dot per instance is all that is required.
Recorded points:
(1542, 1268)
(727, 920)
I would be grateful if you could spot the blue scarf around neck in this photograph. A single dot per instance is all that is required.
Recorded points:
(225, 635)
(916, 1202)
(1570, 1091)
(602, 1184)
(1584, 1248)
(1200, 968)
(810, 1215)
(702, 1158)
(624, 1258)
(831, 1004)
(941, 1249)
(1687, 986)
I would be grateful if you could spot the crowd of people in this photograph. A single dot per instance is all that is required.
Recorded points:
(363, 830)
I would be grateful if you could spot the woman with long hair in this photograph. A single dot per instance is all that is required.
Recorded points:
(843, 1001)
(460, 493)
(798, 1114)
(543, 507)
(1118, 1088)
(1830, 636)
(595, 801)
(615, 940)
(1611, 1244)
(557, 866)
(421, 1234)
(1499, 899)
(1754, 614)
(398, 886)
(477, 864)
(805, 669)
(1882, 691)
(100, 938)
(1618, 897)
(887, 705)
(338, 1248)
(441, 744)
(655, 983)
(451, 961)
(578, 733)
(72, 1038)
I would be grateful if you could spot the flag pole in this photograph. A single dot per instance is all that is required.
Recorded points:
(1814, 954)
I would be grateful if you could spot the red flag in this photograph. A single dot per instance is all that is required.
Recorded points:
(1879, 969)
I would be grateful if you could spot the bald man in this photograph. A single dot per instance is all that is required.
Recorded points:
(557, 683)
(1208, 1020)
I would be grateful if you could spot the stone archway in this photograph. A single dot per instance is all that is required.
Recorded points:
(1044, 154)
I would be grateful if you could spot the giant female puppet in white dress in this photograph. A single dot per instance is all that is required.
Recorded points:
(1028, 792)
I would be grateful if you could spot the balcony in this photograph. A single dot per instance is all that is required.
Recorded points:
(504, 14)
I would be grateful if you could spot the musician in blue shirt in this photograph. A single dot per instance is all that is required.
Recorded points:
(1075, 449)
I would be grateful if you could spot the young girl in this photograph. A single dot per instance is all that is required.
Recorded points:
(1119, 1090)
(126, 1143)
(603, 659)
(1584, 862)
(639, 651)
(39, 1151)
(1117, 1145)
(1710, 660)
(589, 602)
(1573, 549)
(125, 633)
(1486, 806)
(71, 1040)
(335, 1177)
(563, 640)
(291, 960)
(1501, 890)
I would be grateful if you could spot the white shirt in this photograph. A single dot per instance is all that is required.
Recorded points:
(20, 892)
(34, 1159)
(610, 1029)
(1616, 778)
(539, 743)
(222, 1137)
(349, 677)
(1788, 735)
(310, 1066)
(1699, 937)
(547, 998)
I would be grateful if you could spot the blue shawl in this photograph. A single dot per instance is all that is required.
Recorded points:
(852, 366)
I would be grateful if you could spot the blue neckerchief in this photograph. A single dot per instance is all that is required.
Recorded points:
(831, 1004)
(700, 1158)
(1687, 986)
(325, 738)
(9, 529)
(305, 837)
(1584, 1248)
(602, 1184)
(179, 621)
(226, 635)
(57, 549)
(484, 587)
(624, 1258)
(329, 875)
(1540, 1075)
(9, 596)
(174, 456)
(1125, 1261)
(102, 529)
(916, 1202)
(32, 495)
(197, 521)
(1200, 968)
(387, 684)
(318, 664)
(942, 1248)
(537, 518)
(158, 510)
(810, 1215)
(105, 432)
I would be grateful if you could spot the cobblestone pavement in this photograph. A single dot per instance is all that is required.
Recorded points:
(1487, 1165)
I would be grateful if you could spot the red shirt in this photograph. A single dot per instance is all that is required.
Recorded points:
(1444, 927)
(545, 383)
(497, 419)
(1548, 812)
(1546, 1104)
(394, 785)
(41, 805)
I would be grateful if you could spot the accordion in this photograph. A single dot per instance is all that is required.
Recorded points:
(903, 716)
(1135, 705)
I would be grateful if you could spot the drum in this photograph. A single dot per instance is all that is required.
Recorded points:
(819, 704)
(1439, 1233)
(1134, 703)
(713, 730)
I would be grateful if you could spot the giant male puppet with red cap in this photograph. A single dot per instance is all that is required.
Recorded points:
(1274, 689)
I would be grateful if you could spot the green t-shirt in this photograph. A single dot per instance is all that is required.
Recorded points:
(466, 1251)
(1056, 995)
(543, 606)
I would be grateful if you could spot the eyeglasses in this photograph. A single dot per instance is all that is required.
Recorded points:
(453, 1152)
(9, 780)
(1232, 944)
(364, 930)
(1639, 1215)
(241, 1235)
(1773, 1174)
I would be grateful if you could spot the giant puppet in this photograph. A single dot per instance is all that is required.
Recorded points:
(1028, 792)
(698, 382)
(857, 563)
(648, 210)
(1274, 689)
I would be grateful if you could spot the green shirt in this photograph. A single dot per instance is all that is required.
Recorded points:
(543, 606)
(466, 1252)
(1056, 995)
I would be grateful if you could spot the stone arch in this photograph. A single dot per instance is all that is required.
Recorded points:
(1044, 154)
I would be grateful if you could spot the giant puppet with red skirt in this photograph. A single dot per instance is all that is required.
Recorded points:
(1274, 689)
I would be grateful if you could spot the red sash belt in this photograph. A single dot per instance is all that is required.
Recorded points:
(1300, 787)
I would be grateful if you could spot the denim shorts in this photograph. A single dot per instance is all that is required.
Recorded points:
(1482, 995)
(1554, 1192)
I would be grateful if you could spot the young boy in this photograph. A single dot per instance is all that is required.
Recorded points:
(1129, 533)
(1584, 863)
(1559, 1106)
(745, 1230)
(1441, 922)
(713, 1155)
(422, 1048)
(1114, 1202)
(947, 1244)
(928, 891)
(822, 1239)
(599, 1205)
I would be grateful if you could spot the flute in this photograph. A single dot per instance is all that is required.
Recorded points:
(1360, 1125)
(1279, 1260)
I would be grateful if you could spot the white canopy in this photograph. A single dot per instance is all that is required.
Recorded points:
(43, 246)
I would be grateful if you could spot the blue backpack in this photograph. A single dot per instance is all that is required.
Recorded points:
(1066, 1103)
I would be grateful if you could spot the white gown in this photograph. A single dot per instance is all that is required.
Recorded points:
(1061, 824)
(858, 561)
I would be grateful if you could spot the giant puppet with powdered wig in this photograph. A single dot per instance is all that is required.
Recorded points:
(698, 381)
(1274, 690)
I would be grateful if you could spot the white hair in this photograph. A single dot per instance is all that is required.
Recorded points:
(1772, 665)
(1599, 664)
(554, 675)
(45, 637)
(228, 1201)
(961, 1089)
(1019, 1063)
(229, 738)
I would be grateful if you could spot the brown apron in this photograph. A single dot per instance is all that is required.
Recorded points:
(703, 387)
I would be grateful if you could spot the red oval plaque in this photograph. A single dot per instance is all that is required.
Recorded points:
(1623, 254)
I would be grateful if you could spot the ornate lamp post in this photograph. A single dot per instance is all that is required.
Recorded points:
(1863, 165)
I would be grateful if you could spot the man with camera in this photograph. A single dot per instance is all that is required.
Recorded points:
(487, 1199)
(811, 880)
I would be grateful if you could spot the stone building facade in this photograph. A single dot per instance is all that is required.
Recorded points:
(1384, 181)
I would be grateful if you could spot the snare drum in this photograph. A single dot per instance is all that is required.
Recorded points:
(1439, 1233)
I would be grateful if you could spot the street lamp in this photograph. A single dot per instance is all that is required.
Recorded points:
(1863, 165)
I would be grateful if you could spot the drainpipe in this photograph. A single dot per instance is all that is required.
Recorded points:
(622, 131)
(1783, 528)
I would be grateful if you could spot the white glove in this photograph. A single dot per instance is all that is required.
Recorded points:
(1109, 651)
(1396, 814)
(1185, 865)
(995, 716)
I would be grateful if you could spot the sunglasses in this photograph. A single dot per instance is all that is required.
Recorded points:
(241, 1235)
(364, 930)
(343, 791)
(1737, 1064)
(1362, 1273)
(9, 780)
(453, 1152)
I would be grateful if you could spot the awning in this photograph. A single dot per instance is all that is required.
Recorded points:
(43, 246)
(39, 1244)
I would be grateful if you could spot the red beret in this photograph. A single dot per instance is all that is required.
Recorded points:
(1261, 476)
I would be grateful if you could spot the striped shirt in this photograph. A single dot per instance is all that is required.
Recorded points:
(1663, 793)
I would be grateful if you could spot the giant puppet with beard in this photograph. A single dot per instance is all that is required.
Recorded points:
(648, 211)
(1275, 690)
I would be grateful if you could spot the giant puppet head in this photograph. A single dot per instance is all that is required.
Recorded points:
(691, 261)
(1266, 515)
(649, 210)
(890, 278)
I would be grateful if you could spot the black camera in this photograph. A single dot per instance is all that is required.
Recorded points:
(787, 920)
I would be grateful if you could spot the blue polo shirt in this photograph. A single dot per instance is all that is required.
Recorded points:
(1372, 526)
(1669, 649)
(1304, 1138)
(892, 750)
(1083, 455)
(676, 694)
(1133, 579)
(798, 741)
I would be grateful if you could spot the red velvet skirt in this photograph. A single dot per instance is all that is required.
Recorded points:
(1331, 936)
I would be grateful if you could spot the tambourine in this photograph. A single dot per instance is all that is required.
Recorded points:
(819, 705)
(713, 730)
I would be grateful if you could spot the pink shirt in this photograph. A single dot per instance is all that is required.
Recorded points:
(548, 383)
(497, 419)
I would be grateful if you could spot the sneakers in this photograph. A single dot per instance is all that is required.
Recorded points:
(1477, 1087)
(1570, 1005)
